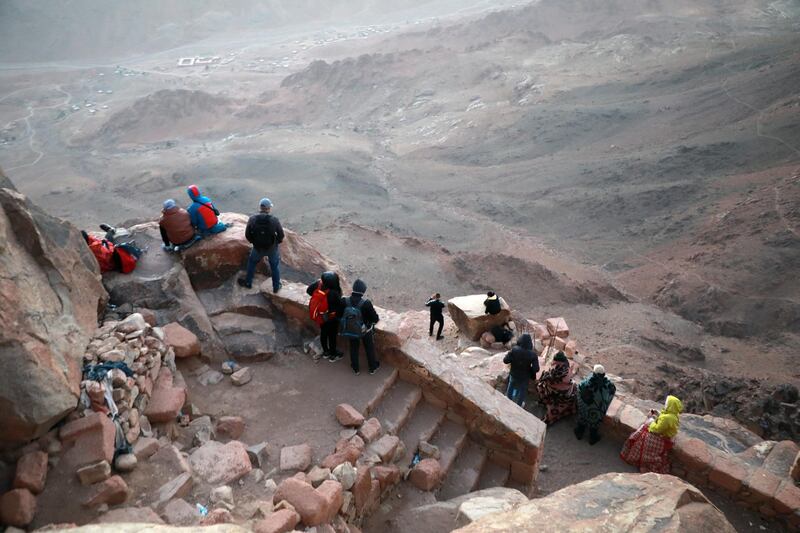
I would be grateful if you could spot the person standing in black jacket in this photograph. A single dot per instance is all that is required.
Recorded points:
(265, 233)
(329, 329)
(369, 318)
(436, 307)
(524, 366)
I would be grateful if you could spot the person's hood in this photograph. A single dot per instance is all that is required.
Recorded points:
(525, 342)
(673, 405)
(359, 287)
(194, 193)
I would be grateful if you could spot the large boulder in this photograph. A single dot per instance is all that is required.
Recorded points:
(51, 293)
(470, 316)
(246, 338)
(214, 260)
(613, 502)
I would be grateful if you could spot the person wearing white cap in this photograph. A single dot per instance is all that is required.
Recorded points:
(265, 233)
(594, 396)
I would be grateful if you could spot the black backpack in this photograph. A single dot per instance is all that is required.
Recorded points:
(263, 232)
(352, 323)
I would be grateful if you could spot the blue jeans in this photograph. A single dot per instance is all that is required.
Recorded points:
(517, 390)
(274, 257)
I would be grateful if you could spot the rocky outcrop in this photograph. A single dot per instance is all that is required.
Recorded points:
(51, 294)
(469, 315)
(613, 502)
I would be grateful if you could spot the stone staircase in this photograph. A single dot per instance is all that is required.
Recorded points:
(405, 412)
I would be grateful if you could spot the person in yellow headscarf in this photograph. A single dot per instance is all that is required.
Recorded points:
(648, 447)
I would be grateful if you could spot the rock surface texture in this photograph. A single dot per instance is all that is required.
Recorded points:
(51, 292)
(613, 502)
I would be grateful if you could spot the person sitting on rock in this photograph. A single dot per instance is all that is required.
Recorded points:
(357, 324)
(524, 367)
(436, 306)
(594, 396)
(492, 304)
(265, 233)
(556, 390)
(648, 447)
(203, 214)
(111, 257)
(501, 334)
(176, 227)
(325, 308)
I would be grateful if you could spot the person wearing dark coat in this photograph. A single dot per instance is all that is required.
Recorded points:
(492, 304)
(328, 331)
(594, 396)
(436, 306)
(524, 366)
(370, 318)
(265, 233)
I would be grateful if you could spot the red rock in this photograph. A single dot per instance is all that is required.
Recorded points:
(387, 475)
(348, 416)
(787, 498)
(370, 430)
(795, 473)
(614, 409)
(693, 453)
(94, 473)
(217, 516)
(178, 512)
(309, 504)
(242, 376)
(130, 515)
(374, 496)
(31, 472)
(177, 487)
(349, 454)
(112, 491)
(88, 440)
(469, 314)
(182, 341)
(762, 484)
(281, 521)
(145, 447)
(354, 441)
(231, 427)
(149, 316)
(167, 400)
(426, 475)
(558, 327)
(727, 473)
(296, 458)
(17, 507)
(362, 488)
(220, 464)
(571, 348)
(332, 493)
(386, 447)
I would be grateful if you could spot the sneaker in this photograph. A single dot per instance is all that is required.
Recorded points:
(371, 372)
(243, 283)
(439, 338)
(356, 372)
(335, 357)
(278, 288)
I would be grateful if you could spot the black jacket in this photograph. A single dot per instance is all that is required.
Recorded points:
(492, 305)
(274, 225)
(436, 308)
(334, 299)
(524, 363)
(368, 312)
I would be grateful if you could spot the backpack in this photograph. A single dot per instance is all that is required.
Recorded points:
(318, 305)
(128, 254)
(352, 322)
(263, 233)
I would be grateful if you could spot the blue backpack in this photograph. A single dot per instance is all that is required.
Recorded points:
(352, 324)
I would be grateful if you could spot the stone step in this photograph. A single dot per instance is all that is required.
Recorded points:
(397, 405)
(493, 475)
(450, 439)
(465, 472)
(389, 379)
(421, 426)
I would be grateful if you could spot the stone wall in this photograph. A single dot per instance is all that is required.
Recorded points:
(514, 437)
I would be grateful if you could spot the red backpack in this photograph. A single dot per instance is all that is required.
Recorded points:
(318, 306)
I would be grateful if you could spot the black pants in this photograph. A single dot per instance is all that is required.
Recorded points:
(369, 350)
(434, 320)
(328, 332)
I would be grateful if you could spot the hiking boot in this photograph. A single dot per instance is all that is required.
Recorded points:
(371, 372)
(243, 283)
(275, 290)
(440, 337)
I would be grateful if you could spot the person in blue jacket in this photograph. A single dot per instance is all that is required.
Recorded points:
(203, 214)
